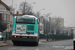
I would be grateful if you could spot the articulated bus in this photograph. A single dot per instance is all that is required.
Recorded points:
(25, 29)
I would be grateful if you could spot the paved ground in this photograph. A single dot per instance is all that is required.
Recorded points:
(3, 44)
(57, 45)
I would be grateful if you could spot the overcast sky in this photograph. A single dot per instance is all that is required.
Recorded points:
(62, 8)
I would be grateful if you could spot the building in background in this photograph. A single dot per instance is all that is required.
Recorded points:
(41, 25)
(46, 21)
(41, 28)
(69, 30)
(6, 15)
(57, 23)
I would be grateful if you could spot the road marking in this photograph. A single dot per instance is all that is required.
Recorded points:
(23, 48)
(68, 47)
(37, 49)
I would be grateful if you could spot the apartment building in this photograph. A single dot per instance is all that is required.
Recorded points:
(57, 23)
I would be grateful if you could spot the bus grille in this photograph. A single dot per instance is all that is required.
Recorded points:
(31, 27)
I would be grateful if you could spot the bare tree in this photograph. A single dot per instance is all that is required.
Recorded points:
(26, 8)
(55, 25)
(58, 28)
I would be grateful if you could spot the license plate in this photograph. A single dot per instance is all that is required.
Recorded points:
(24, 37)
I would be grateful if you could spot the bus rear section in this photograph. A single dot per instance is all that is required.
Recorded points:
(25, 29)
(73, 37)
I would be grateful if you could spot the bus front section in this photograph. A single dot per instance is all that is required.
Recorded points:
(25, 29)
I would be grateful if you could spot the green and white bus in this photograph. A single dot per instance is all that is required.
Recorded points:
(25, 29)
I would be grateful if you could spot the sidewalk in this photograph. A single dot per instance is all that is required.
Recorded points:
(3, 44)
(44, 41)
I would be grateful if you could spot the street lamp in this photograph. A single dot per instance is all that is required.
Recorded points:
(49, 24)
(50, 21)
(33, 3)
(39, 11)
(48, 15)
(12, 3)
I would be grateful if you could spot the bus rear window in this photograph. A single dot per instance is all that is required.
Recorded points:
(25, 20)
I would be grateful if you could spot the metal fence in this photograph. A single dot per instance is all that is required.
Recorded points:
(6, 36)
(56, 37)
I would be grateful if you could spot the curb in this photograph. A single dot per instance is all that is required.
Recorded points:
(2, 45)
(53, 41)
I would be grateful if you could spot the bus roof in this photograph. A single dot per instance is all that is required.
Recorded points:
(27, 16)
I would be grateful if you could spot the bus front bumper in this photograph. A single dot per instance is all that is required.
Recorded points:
(25, 39)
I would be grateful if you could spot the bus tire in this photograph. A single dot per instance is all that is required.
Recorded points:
(14, 43)
(38, 39)
(36, 44)
(73, 45)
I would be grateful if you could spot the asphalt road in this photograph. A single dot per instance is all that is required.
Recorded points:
(57, 45)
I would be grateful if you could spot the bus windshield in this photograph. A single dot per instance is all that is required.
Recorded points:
(25, 20)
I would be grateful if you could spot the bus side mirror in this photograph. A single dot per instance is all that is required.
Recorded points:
(38, 21)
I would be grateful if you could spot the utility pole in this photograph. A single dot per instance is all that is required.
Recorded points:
(12, 3)
(50, 24)
(46, 30)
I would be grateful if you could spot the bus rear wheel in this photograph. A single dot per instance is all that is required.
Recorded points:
(14, 43)
(36, 44)
(74, 44)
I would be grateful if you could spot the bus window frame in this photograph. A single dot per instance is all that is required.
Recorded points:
(24, 22)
